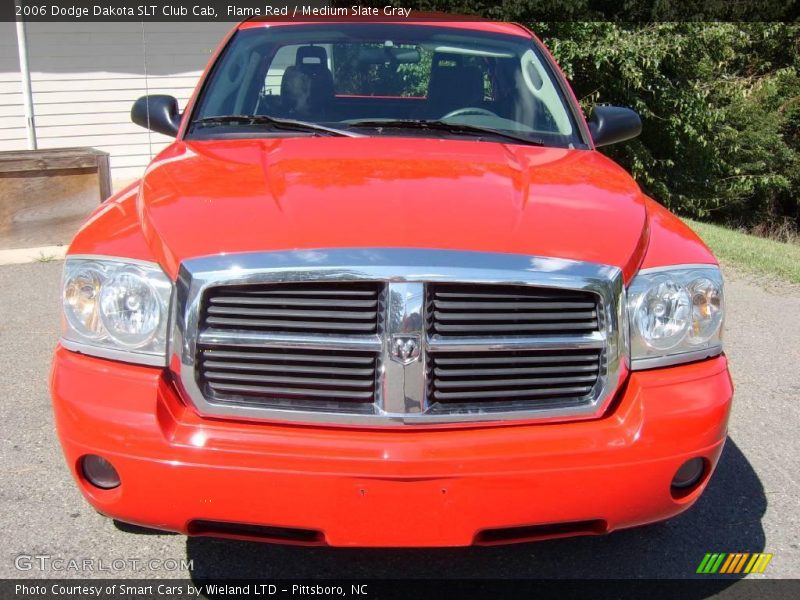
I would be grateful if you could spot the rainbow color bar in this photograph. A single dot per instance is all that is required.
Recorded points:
(733, 563)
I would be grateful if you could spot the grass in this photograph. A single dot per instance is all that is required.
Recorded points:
(755, 254)
(45, 258)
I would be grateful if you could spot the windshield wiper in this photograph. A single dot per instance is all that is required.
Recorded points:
(288, 124)
(437, 125)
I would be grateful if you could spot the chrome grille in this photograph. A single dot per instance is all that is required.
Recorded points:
(478, 310)
(528, 377)
(546, 378)
(282, 377)
(347, 308)
(397, 336)
(268, 374)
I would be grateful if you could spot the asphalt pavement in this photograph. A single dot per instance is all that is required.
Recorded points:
(751, 504)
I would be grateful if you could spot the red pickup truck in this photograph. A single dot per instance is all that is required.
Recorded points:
(383, 290)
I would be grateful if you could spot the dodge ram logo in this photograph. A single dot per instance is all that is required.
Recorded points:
(405, 348)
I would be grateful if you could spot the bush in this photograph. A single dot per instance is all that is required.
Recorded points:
(720, 103)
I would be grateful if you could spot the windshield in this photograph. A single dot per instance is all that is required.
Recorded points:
(384, 79)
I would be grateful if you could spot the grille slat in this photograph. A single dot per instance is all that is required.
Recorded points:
(294, 301)
(443, 372)
(287, 324)
(490, 328)
(282, 392)
(319, 307)
(537, 373)
(283, 289)
(277, 376)
(273, 379)
(511, 305)
(529, 377)
(293, 357)
(486, 383)
(276, 372)
(278, 312)
(502, 359)
(470, 396)
(477, 310)
(498, 292)
(503, 316)
(283, 368)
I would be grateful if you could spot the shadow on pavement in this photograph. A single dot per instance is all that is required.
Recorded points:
(139, 529)
(727, 518)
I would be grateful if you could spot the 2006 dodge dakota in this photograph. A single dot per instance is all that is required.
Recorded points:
(383, 290)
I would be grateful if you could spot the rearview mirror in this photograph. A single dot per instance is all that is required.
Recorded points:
(388, 54)
(157, 113)
(612, 124)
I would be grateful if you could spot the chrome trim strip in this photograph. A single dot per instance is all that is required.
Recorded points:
(128, 356)
(370, 343)
(480, 344)
(404, 271)
(122, 259)
(655, 362)
(403, 378)
(678, 267)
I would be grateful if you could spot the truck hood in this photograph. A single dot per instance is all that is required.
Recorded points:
(226, 196)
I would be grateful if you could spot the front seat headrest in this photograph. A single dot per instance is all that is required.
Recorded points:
(307, 87)
(311, 56)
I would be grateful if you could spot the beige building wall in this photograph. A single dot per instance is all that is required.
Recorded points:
(12, 111)
(86, 76)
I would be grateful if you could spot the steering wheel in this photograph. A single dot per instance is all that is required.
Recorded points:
(470, 110)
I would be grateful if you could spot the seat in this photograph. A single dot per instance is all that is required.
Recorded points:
(307, 86)
(453, 85)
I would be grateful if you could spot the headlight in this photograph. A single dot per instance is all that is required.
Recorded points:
(675, 315)
(116, 308)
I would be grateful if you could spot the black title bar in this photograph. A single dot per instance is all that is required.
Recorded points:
(522, 10)
(369, 589)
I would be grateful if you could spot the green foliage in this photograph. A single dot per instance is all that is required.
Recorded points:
(720, 104)
(382, 78)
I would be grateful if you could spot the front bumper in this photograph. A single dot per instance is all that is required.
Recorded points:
(412, 487)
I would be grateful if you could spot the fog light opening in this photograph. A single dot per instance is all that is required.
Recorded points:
(688, 477)
(99, 472)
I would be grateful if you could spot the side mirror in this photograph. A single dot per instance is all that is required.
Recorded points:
(612, 124)
(158, 113)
